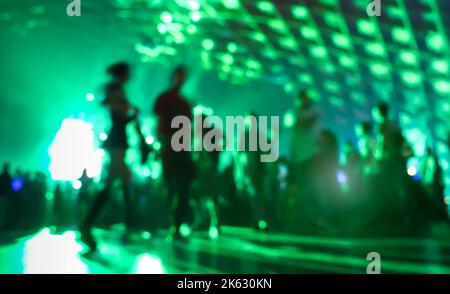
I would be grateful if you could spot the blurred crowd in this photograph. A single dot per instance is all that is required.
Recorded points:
(362, 187)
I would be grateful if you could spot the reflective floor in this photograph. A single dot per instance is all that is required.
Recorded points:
(236, 250)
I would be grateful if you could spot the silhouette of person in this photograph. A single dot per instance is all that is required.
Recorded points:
(303, 144)
(5, 181)
(122, 112)
(5, 195)
(178, 167)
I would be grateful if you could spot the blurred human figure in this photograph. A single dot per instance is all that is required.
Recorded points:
(389, 139)
(5, 195)
(5, 181)
(366, 141)
(178, 167)
(207, 185)
(122, 112)
(320, 175)
(305, 128)
(403, 195)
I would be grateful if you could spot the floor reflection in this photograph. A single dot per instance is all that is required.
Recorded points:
(236, 250)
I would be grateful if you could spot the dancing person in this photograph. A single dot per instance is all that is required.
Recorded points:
(178, 167)
(303, 144)
(122, 112)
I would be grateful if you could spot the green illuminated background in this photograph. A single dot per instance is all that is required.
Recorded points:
(243, 56)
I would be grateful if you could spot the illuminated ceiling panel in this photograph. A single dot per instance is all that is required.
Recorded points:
(349, 60)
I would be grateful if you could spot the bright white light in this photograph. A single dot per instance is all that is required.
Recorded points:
(90, 97)
(166, 17)
(76, 184)
(147, 264)
(341, 177)
(103, 136)
(73, 150)
(149, 140)
(53, 254)
(412, 171)
(196, 16)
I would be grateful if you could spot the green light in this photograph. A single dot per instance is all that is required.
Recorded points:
(208, 44)
(379, 69)
(332, 19)
(375, 49)
(226, 68)
(288, 42)
(435, 41)
(162, 28)
(257, 36)
(442, 86)
(300, 12)
(366, 27)
(347, 61)
(191, 29)
(196, 16)
(341, 41)
(408, 57)
(440, 65)
(185, 230)
(266, 6)
(289, 87)
(332, 86)
(253, 64)
(231, 4)
(213, 232)
(166, 17)
(227, 58)
(305, 78)
(411, 78)
(278, 25)
(318, 51)
(49, 196)
(232, 47)
(401, 35)
(336, 101)
(262, 225)
(146, 235)
(309, 32)
(289, 119)
(38, 9)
